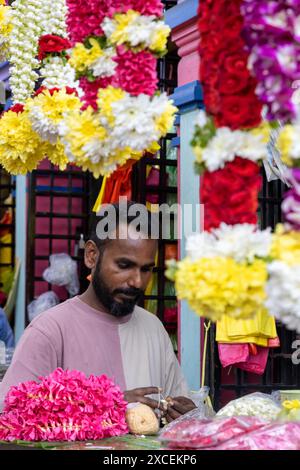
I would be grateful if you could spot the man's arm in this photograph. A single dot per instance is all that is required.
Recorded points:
(34, 356)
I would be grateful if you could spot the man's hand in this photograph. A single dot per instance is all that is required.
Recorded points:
(178, 406)
(138, 395)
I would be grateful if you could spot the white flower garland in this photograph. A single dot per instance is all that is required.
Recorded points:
(31, 19)
(242, 242)
(57, 74)
(283, 293)
(135, 121)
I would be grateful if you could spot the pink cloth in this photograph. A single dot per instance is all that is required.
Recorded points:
(239, 355)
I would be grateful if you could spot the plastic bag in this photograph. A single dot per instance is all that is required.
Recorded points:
(277, 436)
(63, 272)
(198, 434)
(42, 303)
(255, 404)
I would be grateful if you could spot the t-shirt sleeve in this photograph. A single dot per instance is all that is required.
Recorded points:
(34, 356)
(175, 385)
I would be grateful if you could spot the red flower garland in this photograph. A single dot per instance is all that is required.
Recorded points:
(230, 195)
(228, 86)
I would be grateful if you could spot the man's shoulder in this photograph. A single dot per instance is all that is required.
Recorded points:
(54, 316)
(148, 318)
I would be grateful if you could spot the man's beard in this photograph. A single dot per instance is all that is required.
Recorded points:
(106, 297)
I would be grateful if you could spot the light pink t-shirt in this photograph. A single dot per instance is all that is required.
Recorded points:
(135, 351)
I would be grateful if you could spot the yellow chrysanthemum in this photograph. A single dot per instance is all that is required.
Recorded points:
(56, 154)
(21, 148)
(166, 120)
(154, 148)
(286, 246)
(5, 23)
(107, 96)
(122, 21)
(54, 105)
(107, 166)
(82, 127)
(264, 131)
(219, 286)
(159, 39)
(284, 143)
(82, 57)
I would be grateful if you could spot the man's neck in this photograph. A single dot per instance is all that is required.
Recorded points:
(89, 297)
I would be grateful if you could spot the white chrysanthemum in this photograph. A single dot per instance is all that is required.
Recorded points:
(138, 30)
(222, 148)
(283, 293)
(45, 127)
(242, 242)
(105, 66)
(134, 123)
(227, 144)
(200, 245)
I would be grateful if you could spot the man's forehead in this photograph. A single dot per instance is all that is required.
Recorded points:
(132, 246)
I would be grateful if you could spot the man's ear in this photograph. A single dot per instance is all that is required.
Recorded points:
(91, 254)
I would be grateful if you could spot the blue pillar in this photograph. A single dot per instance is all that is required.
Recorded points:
(188, 99)
(21, 238)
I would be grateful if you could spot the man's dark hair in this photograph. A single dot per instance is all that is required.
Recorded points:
(121, 212)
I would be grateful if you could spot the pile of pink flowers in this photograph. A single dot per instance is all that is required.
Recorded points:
(64, 406)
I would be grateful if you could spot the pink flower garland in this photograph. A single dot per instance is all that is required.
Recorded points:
(85, 17)
(64, 406)
(136, 72)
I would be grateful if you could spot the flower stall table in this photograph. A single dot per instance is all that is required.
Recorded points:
(127, 442)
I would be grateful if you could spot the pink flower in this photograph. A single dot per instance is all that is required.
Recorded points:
(136, 72)
(145, 7)
(90, 90)
(65, 405)
(85, 17)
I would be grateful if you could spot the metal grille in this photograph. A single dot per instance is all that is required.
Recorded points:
(280, 373)
(155, 180)
(59, 206)
(7, 227)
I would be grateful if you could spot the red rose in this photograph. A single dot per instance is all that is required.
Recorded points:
(239, 112)
(243, 167)
(232, 83)
(235, 63)
(50, 43)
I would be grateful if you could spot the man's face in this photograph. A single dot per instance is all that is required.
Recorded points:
(122, 273)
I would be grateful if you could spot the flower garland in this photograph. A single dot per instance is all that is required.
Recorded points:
(136, 31)
(215, 147)
(20, 147)
(271, 32)
(122, 116)
(283, 286)
(46, 111)
(64, 406)
(122, 129)
(225, 272)
(5, 29)
(227, 84)
(230, 143)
